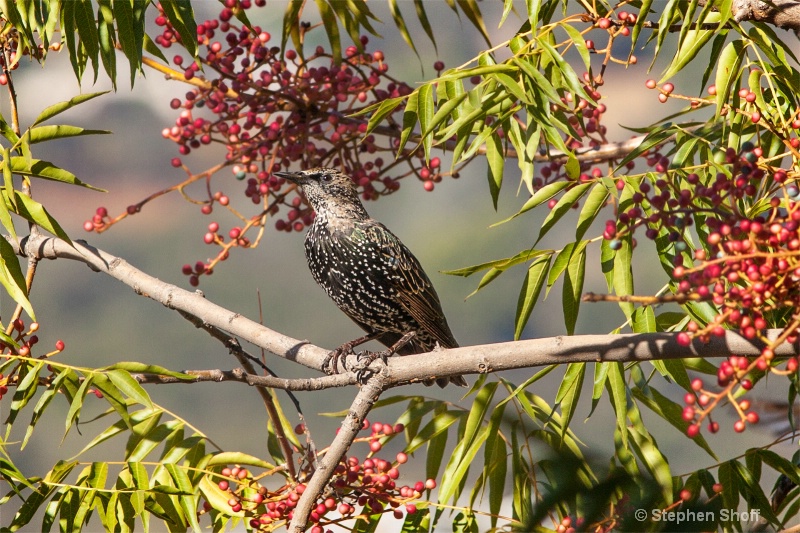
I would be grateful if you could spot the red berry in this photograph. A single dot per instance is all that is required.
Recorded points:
(60, 345)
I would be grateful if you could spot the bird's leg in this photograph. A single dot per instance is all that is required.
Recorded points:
(331, 362)
(366, 358)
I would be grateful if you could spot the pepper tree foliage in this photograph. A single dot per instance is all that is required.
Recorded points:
(714, 186)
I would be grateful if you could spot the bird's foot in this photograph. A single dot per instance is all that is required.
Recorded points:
(331, 363)
(365, 358)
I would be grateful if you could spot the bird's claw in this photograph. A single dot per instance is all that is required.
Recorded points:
(364, 360)
(331, 363)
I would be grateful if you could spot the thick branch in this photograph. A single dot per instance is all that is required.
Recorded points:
(351, 425)
(781, 13)
(174, 297)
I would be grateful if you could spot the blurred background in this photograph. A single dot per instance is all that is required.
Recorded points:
(102, 321)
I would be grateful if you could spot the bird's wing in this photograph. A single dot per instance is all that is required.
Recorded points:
(414, 290)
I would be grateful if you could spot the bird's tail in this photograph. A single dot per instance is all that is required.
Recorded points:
(456, 380)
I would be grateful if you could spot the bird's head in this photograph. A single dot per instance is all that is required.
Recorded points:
(330, 192)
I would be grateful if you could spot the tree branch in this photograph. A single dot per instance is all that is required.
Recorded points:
(252, 379)
(478, 359)
(781, 13)
(351, 425)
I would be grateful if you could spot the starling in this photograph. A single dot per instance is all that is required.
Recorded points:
(367, 271)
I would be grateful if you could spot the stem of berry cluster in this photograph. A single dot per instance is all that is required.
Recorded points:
(351, 425)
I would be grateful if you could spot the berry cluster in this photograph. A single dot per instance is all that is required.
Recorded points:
(700, 402)
(25, 338)
(270, 108)
(368, 484)
(584, 117)
(747, 214)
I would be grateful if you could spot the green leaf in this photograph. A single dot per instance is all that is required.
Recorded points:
(562, 260)
(12, 278)
(226, 458)
(654, 460)
(622, 274)
(113, 396)
(43, 169)
(25, 390)
(380, 112)
(501, 264)
(573, 288)
(106, 34)
(149, 369)
(643, 320)
(541, 196)
(495, 156)
(129, 387)
(496, 463)
(45, 399)
(570, 391)
(473, 13)
(331, 28)
(473, 438)
(188, 499)
(444, 111)
(410, 118)
(400, 23)
(49, 133)
(129, 16)
(618, 396)
(216, 497)
(591, 208)
(34, 212)
(529, 292)
(153, 49)
(77, 403)
(419, 5)
(425, 111)
(438, 424)
(689, 48)
(87, 31)
(561, 208)
(181, 15)
(728, 72)
(60, 107)
(580, 44)
(513, 87)
(755, 494)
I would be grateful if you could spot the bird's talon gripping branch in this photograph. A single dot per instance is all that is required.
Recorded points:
(365, 358)
(331, 363)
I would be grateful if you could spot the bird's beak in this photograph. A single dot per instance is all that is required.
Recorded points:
(294, 177)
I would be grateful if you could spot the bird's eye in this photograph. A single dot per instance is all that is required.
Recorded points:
(325, 177)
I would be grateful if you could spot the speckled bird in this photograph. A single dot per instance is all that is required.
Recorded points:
(367, 271)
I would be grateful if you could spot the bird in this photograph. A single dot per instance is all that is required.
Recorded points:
(368, 272)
